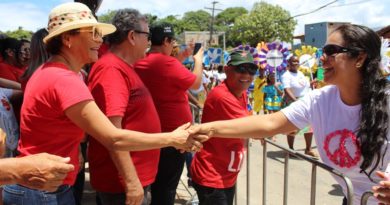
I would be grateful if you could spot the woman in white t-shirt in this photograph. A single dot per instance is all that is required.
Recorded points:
(296, 86)
(350, 117)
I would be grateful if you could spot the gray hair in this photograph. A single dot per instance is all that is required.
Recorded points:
(125, 20)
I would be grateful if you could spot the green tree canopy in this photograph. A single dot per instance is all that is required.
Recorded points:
(107, 17)
(229, 15)
(225, 20)
(265, 22)
(196, 21)
(20, 33)
(177, 23)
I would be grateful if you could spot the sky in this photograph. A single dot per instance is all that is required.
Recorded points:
(33, 14)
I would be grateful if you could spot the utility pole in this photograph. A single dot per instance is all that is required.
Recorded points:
(212, 19)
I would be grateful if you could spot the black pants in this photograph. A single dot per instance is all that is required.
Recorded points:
(170, 168)
(214, 196)
(120, 198)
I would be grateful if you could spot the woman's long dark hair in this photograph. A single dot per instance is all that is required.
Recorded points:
(38, 53)
(374, 117)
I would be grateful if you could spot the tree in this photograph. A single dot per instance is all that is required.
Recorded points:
(177, 23)
(20, 33)
(224, 21)
(107, 17)
(196, 21)
(229, 15)
(265, 22)
(151, 18)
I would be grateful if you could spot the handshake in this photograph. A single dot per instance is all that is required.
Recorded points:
(189, 138)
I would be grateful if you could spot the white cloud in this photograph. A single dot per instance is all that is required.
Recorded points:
(27, 15)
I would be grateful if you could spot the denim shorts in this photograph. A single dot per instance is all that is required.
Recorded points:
(20, 195)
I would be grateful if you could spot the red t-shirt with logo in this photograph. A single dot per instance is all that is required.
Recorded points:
(118, 91)
(44, 127)
(168, 81)
(219, 161)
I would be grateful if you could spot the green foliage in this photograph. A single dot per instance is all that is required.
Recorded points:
(196, 21)
(20, 33)
(151, 18)
(177, 23)
(228, 16)
(107, 17)
(265, 22)
(225, 20)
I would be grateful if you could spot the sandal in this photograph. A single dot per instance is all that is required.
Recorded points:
(312, 154)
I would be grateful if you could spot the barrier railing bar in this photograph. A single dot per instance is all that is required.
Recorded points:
(365, 197)
(264, 174)
(313, 184)
(248, 143)
(285, 188)
(317, 164)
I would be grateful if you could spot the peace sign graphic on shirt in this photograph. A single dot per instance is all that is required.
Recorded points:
(342, 156)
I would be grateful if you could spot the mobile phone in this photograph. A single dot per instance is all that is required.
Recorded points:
(197, 47)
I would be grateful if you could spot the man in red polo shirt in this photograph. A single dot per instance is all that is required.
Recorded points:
(168, 81)
(122, 96)
(215, 168)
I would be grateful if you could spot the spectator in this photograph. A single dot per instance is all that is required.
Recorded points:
(38, 56)
(124, 99)
(11, 67)
(168, 81)
(350, 117)
(258, 95)
(215, 168)
(296, 86)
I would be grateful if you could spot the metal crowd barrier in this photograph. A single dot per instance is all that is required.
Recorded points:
(197, 113)
(314, 163)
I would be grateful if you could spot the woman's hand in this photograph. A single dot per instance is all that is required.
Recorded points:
(382, 192)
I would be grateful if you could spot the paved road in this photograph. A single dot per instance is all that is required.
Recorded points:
(328, 192)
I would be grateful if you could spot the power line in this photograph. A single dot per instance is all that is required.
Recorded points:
(315, 10)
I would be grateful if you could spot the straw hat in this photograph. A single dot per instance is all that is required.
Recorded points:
(73, 15)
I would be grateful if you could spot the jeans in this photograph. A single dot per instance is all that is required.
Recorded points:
(20, 195)
(170, 168)
(214, 196)
(120, 198)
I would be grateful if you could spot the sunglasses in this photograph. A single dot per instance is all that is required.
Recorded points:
(332, 49)
(143, 32)
(96, 33)
(251, 70)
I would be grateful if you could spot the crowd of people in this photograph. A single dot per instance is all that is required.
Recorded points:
(128, 102)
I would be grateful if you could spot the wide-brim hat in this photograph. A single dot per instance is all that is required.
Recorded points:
(73, 15)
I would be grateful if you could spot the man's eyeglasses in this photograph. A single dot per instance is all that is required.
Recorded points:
(332, 50)
(251, 70)
(96, 33)
(143, 32)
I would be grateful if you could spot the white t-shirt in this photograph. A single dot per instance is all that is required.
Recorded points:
(221, 77)
(297, 82)
(329, 117)
(205, 80)
(7, 119)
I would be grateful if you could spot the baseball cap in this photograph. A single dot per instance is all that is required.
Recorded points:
(239, 57)
(159, 31)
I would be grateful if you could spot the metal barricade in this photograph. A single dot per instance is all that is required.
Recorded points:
(314, 163)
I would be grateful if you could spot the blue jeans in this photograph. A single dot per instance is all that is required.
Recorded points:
(20, 195)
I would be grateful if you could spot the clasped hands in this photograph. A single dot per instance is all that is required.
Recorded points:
(189, 138)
